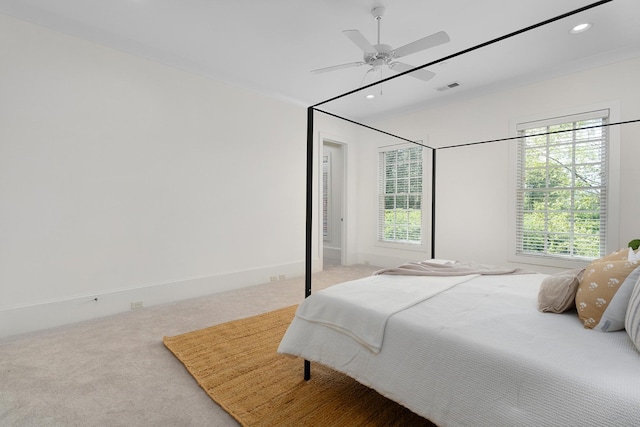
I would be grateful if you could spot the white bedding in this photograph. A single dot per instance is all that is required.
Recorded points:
(480, 354)
(361, 308)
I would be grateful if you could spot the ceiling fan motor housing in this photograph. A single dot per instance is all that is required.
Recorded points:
(381, 57)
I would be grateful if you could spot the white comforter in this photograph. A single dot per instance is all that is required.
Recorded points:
(480, 354)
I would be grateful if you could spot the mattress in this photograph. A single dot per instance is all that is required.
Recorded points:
(481, 354)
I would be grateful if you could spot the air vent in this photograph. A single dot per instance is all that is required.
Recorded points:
(449, 86)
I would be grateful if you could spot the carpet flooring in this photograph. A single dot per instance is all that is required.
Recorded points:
(114, 371)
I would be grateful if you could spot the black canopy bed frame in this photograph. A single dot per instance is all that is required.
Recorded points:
(310, 144)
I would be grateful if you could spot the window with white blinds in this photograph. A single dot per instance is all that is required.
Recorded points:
(562, 187)
(400, 195)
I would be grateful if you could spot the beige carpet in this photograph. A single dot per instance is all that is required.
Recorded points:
(236, 363)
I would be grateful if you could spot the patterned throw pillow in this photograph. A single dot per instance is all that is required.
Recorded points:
(632, 320)
(604, 292)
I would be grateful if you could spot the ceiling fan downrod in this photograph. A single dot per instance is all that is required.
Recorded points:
(377, 13)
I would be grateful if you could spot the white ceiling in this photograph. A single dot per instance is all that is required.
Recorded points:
(271, 46)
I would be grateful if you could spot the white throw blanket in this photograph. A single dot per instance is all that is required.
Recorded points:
(361, 308)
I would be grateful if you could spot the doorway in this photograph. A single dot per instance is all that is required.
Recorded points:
(333, 188)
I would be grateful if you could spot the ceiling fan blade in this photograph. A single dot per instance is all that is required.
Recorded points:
(359, 40)
(338, 67)
(421, 74)
(421, 44)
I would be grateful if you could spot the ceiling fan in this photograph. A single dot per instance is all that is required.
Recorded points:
(380, 55)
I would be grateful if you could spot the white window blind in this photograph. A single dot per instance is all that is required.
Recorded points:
(400, 195)
(562, 187)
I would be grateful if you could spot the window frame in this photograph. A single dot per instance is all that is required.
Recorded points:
(613, 185)
(425, 196)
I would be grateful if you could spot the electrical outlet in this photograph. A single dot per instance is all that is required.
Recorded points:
(281, 277)
(274, 278)
(136, 304)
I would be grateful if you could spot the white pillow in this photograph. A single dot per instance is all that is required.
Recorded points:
(613, 318)
(632, 319)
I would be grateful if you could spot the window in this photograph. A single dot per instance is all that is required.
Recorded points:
(400, 196)
(562, 193)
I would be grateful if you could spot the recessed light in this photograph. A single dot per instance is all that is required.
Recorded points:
(370, 96)
(581, 28)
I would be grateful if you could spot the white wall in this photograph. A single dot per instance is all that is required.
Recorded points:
(126, 180)
(472, 183)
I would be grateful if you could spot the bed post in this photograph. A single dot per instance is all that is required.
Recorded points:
(309, 217)
(433, 203)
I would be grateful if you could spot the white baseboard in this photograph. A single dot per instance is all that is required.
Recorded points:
(49, 314)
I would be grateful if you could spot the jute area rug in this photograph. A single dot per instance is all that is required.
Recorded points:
(236, 363)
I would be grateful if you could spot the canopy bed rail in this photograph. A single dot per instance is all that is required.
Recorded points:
(310, 143)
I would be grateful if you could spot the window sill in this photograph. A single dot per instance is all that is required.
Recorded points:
(548, 261)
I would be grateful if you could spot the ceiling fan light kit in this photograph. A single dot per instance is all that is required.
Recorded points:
(380, 55)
